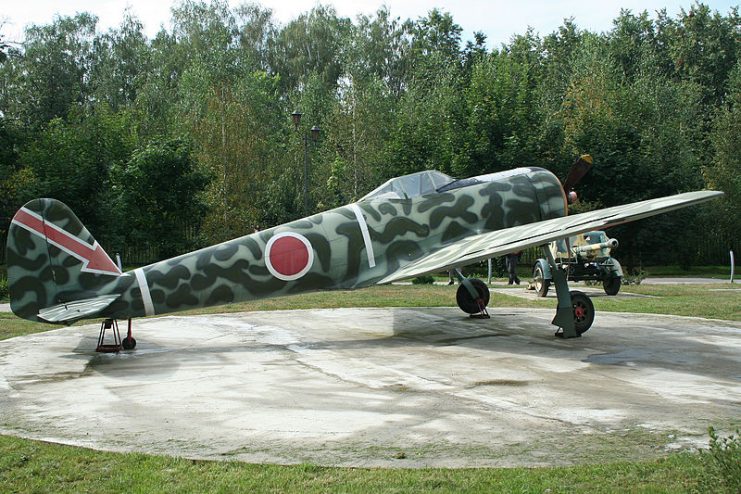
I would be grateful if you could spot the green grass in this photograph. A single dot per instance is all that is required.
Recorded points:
(11, 326)
(717, 301)
(717, 272)
(34, 466)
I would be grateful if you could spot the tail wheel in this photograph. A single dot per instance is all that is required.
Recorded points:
(467, 303)
(583, 311)
(128, 343)
(541, 283)
(612, 285)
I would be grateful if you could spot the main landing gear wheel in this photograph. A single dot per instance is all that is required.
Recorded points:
(541, 284)
(583, 311)
(465, 300)
(612, 285)
(128, 343)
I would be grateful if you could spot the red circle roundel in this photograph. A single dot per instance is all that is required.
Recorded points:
(288, 256)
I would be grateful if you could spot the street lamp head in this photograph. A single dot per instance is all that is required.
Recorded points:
(315, 130)
(296, 116)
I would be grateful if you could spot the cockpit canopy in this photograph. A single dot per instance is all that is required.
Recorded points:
(408, 186)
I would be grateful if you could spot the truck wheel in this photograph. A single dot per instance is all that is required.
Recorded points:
(583, 311)
(612, 285)
(541, 284)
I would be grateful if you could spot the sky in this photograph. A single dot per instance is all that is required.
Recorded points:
(498, 19)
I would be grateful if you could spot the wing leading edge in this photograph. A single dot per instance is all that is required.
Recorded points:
(500, 242)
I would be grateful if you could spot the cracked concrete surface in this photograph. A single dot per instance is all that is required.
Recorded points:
(380, 387)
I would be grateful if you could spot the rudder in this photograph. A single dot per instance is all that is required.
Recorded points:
(53, 259)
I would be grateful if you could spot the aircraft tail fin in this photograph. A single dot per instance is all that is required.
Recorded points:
(53, 260)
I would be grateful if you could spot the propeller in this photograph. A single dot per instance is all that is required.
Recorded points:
(580, 168)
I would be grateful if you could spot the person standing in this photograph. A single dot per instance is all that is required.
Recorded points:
(511, 260)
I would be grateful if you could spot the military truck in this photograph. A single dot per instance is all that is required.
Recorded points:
(584, 257)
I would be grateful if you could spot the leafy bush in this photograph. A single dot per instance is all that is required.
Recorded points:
(4, 289)
(423, 280)
(722, 462)
(635, 277)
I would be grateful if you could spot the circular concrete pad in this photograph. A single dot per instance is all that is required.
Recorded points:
(380, 387)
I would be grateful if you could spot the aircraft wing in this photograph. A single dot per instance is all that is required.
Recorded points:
(501, 242)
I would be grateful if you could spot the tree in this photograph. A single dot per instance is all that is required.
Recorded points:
(71, 161)
(502, 113)
(311, 44)
(426, 133)
(653, 100)
(55, 70)
(120, 64)
(637, 41)
(358, 129)
(257, 32)
(723, 172)
(17, 184)
(237, 139)
(704, 47)
(379, 50)
(159, 197)
(207, 35)
(3, 50)
(436, 34)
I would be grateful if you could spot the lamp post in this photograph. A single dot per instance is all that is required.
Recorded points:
(313, 135)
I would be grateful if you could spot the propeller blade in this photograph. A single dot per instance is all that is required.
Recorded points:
(580, 168)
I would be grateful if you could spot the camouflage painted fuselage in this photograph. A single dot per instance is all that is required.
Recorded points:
(349, 247)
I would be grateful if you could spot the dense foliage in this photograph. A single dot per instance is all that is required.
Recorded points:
(187, 138)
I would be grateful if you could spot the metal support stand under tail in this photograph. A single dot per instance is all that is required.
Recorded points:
(114, 347)
(473, 296)
(565, 312)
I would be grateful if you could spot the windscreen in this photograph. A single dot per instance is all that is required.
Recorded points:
(408, 186)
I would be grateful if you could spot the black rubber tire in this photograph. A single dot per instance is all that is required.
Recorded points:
(128, 343)
(541, 284)
(583, 311)
(466, 302)
(612, 285)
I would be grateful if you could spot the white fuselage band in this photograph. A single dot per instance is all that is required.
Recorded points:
(144, 288)
(366, 235)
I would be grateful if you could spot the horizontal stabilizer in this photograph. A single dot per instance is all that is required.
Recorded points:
(72, 311)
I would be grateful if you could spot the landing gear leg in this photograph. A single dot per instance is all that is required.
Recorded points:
(128, 343)
(575, 312)
(472, 296)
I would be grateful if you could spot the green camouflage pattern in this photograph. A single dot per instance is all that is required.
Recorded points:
(351, 247)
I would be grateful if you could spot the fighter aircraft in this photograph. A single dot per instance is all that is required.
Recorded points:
(412, 225)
